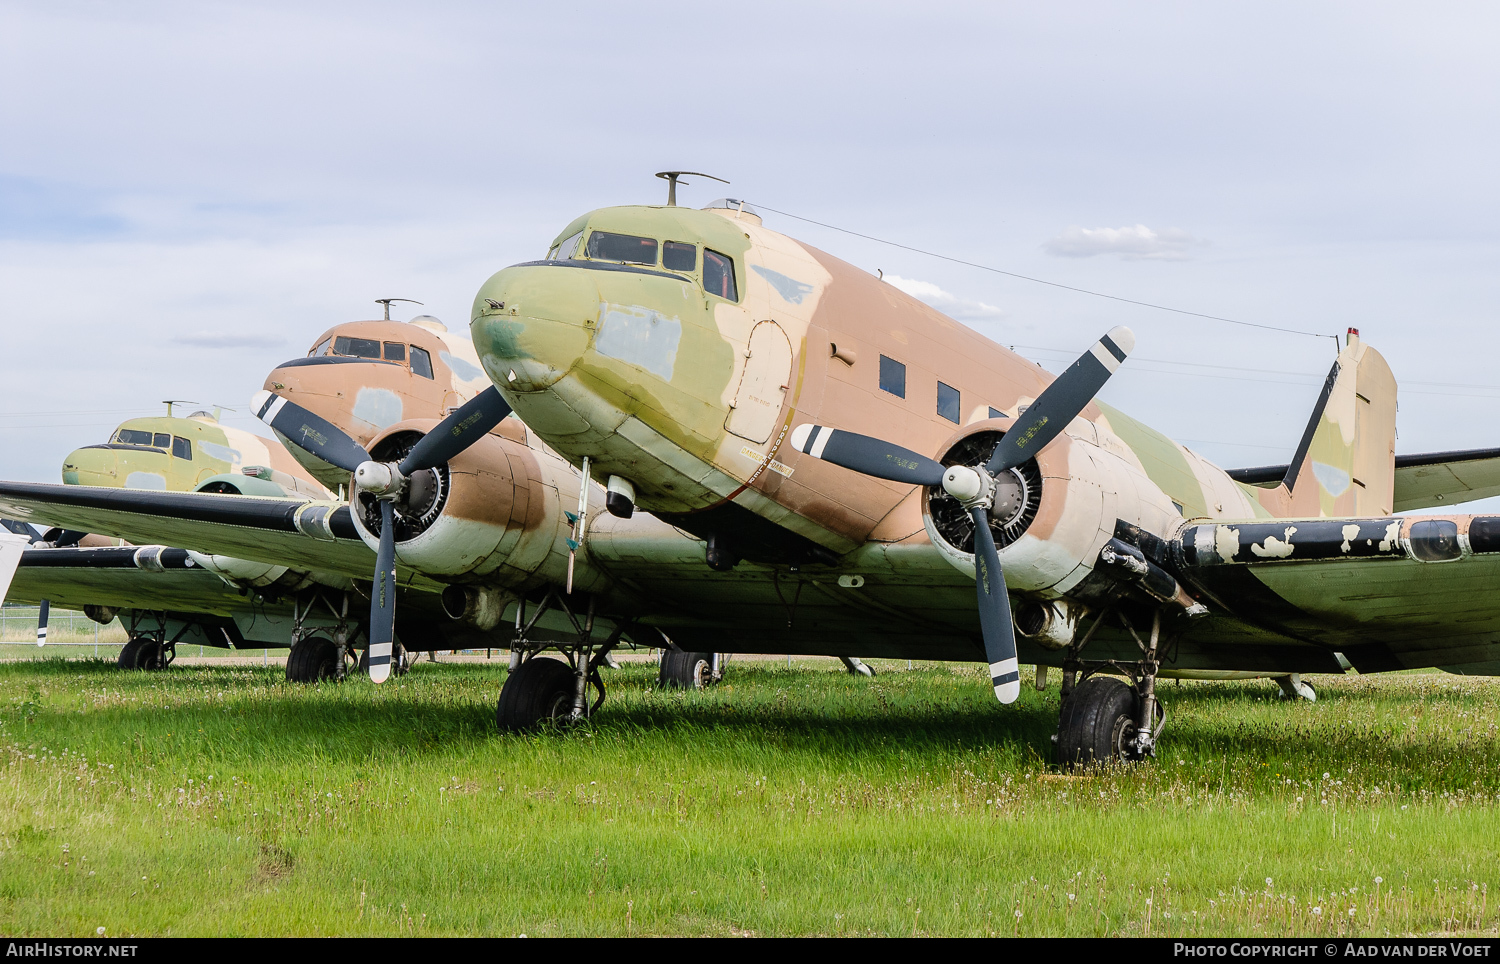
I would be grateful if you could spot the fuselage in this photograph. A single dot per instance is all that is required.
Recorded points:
(180, 454)
(677, 349)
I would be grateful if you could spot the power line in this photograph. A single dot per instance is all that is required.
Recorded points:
(1043, 281)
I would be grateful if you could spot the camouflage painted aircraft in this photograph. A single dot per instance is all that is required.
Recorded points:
(169, 596)
(797, 457)
(190, 454)
(167, 453)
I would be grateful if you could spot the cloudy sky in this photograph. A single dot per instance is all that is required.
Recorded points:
(190, 192)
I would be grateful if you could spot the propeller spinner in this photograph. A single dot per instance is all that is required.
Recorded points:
(976, 488)
(386, 481)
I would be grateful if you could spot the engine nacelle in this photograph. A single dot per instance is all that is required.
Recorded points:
(495, 510)
(248, 574)
(1062, 509)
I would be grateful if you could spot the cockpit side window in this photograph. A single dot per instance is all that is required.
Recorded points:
(679, 256)
(182, 448)
(161, 440)
(133, 436)
(321, 349)
(565, 249)
(626, 248)
(356, 347)
(395, 351)
(718, 275)
(421, 362)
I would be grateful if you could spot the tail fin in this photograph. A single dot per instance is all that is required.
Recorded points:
(1346, 462)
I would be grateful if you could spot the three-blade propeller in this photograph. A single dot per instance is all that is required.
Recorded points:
(1042, 422)
(386, 481)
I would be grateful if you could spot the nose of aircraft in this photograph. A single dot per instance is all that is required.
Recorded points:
(91, 465)
(532, 322)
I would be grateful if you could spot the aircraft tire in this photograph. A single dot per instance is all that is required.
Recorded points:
(1097, 720)
(312, 660)
(686, 671)
(537, 691)
(141, 652)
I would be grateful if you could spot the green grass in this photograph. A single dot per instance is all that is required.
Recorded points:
(225, 801)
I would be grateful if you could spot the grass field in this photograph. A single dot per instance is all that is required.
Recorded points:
(225, 801)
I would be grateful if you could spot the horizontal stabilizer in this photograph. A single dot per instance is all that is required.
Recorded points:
(1423, 481)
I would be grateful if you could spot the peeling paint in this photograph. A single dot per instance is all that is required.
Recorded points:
(1335, 481)
(221, 452)
(789, 288)
(639, 336)
(146, 480)
(1274, 547)
(378, 407)
(1392, 532)
(1226, 542)
(1350, 532)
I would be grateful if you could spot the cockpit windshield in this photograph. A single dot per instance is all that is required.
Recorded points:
(565, 249)
(626, 248)
(356, 347)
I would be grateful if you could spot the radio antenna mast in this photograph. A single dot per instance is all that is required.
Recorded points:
(671, 178)
(387, 303)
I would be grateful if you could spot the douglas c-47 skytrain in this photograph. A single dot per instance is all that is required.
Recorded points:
(782, 453)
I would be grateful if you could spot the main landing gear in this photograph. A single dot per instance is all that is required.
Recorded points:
(540, 690)
(691, 671)
(1103, 718)
(325, 654)
(148, 647)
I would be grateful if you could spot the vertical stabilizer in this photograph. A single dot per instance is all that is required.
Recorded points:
(1346, 462)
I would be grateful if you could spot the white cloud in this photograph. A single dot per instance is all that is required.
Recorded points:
(946, 302)
(1131, 243)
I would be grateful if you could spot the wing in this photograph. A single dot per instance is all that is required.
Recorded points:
(1386, 594)
(304, 535)
(1423, 481)
(74, 578)
(1446, 478)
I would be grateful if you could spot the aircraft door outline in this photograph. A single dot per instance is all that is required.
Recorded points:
(764, 381)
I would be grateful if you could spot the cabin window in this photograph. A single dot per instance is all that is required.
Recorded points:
(948, 402)
(565, 249)
(679, 256)
(421, 362)
(133, 436)
(182, 448)
(892, 377)
(996, 413)
(356, 347)
(1435, 540)
(626, 248)
(718, 275)
(321, 349)
(395, 351)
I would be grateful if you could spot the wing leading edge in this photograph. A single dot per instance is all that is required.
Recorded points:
(1389, 593)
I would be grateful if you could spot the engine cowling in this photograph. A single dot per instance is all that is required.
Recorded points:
(495, 509)
(1053, 513)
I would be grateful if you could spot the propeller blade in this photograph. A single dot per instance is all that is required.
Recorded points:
(383, 597)
(870, 456)
(41, 622)
(1061, 401)
(994, 612)
(312, 432)
(458, 431)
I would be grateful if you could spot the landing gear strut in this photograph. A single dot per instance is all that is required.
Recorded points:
(1105, 719)
(539, 691)
(149, 649)
(314, 658)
